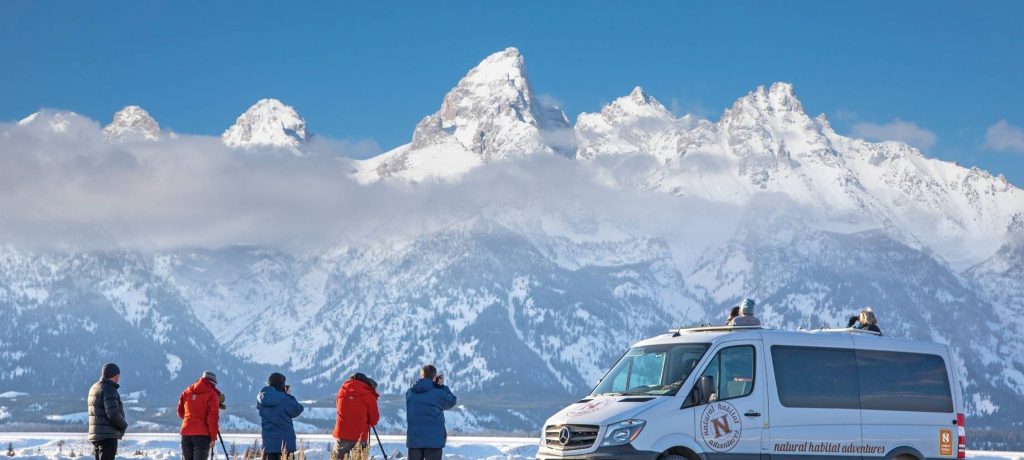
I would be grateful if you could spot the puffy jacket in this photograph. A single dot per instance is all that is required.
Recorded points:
(199, 410)
(277, 409)
(425, 404)
(357, 411)
(106, 412)
(746, 320)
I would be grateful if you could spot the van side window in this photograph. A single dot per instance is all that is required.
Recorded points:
(733, 371)
(914, 382)
(816, 377)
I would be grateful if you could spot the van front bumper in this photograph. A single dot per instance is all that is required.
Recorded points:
(626, 452)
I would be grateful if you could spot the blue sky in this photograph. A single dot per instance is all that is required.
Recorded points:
(940, 74)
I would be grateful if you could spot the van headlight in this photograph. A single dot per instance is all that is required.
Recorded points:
(622, 432)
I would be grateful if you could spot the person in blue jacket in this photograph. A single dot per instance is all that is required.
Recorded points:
(425, 404)
(277, 408)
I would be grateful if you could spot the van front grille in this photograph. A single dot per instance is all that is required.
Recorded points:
(570, 437)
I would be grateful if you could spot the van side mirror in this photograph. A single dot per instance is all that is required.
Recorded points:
(706, 389)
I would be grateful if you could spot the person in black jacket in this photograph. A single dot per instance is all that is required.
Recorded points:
(106, 414)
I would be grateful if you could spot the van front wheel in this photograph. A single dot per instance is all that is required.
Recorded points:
(674, 456)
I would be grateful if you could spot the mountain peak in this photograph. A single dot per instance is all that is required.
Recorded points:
(492, 112)
(57, 121)
(777, 99)
(506, 65)
(132, 123)
(782, 96)
(633, 123)
(640, 97)
(268, 123)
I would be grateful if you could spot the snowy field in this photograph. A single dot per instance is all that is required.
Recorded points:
(164, 446)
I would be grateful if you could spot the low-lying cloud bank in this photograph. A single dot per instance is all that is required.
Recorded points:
(71, 188)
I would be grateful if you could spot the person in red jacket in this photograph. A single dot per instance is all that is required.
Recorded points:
(357, 413)
(199, 410)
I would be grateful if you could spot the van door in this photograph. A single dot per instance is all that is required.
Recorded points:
(813, 397)
(731, 425)
(906, 398)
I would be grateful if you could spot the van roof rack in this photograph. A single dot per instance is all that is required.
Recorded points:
(709, 328)
(848, 330)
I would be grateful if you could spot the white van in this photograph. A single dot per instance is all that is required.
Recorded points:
(747, 393)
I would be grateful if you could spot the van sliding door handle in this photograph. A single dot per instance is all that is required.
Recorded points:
(751, 413)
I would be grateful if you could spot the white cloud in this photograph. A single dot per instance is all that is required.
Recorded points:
(1004, 137)
(896, 130)
(68, 187)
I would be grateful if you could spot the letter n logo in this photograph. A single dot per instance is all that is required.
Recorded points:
(721, 425)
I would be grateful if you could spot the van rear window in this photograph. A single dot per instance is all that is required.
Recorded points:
(816, 377)
(903, 381)
(839, 378)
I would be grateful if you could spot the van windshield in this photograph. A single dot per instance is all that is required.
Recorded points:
(653, 370)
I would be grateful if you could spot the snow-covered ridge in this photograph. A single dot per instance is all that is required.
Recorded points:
(636, 123)
(268, 123)
(132, 123)
(766, 142)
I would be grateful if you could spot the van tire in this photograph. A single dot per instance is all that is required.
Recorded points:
(675, 456)
(905, 457)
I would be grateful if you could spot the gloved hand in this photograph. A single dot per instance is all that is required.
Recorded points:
(222, 406)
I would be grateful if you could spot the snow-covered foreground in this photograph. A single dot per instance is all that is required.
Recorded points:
(164, 446)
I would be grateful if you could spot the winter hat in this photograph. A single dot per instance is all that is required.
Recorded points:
(110, 370)
(208, 375)
(276, 380)
(747, 307)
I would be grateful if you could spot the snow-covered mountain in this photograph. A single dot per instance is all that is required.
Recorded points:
(132, 123)
(766, 143)
(68, 311)
(524, 307)
(491, 114)
(268, 123)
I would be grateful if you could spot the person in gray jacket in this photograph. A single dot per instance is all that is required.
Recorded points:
(107, 423)
(746, 317)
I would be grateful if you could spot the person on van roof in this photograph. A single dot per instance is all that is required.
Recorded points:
(733, 313)
(746, 317)
(866, 320)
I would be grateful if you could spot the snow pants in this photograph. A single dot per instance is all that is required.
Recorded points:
(195, 447)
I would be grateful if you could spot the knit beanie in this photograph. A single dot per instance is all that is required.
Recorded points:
(208, 375)
(747, 307)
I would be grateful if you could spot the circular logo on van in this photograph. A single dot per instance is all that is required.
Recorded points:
(720, 426)
(565, 436)
(589, 407)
